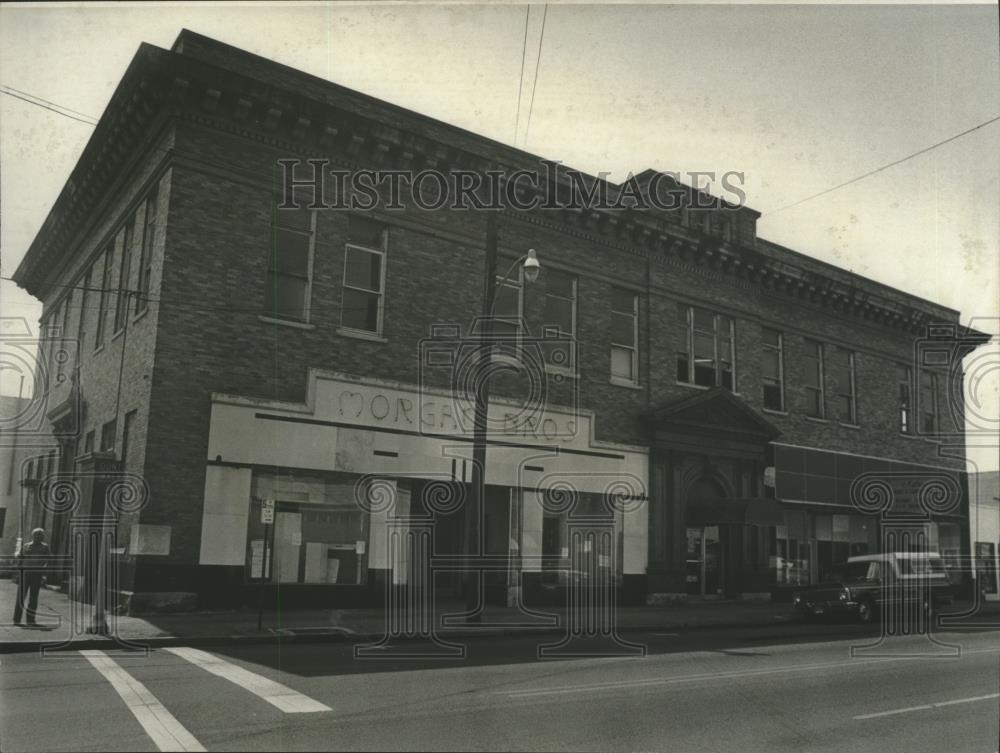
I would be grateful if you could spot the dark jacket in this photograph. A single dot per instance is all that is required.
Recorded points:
(34, 559)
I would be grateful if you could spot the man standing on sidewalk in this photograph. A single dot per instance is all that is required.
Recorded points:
(32, 561)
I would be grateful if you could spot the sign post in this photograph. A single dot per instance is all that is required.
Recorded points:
(267, 518)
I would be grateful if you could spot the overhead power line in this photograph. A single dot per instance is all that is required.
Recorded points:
(520, 83)
(31, 99)
(538, 64)
(883, 167)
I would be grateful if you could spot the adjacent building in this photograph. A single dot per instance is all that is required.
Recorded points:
(729, 411)
(22, 458)
(984, 531)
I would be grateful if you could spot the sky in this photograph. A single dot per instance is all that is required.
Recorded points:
(800, 98)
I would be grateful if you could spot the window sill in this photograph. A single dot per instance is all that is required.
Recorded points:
(692, 385)
(140, 316)
(775, 411)
(560, 371)
(856, 427)
(906, 435)
(817, 420)
(625, 383)
(361, 335)
(98, 349)
(285, 322)
(117, 334)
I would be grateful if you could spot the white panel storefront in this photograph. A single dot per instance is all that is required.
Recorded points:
(353, 429)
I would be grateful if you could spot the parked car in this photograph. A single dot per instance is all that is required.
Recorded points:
(866, 584)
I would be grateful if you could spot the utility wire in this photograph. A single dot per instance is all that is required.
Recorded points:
(49, 102)
(45, 104)
(884, 167)
(520, 83)
(534, 84)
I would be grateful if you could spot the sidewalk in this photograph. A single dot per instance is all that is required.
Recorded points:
(65, 622)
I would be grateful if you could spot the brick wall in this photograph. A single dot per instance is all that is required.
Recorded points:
(211, 337)
(111, 381)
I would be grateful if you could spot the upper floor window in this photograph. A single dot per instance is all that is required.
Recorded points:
(707, 355)
(124, 277)
(108, 431)
(146, 251)
(624, 335)
(560, 318)
(773, 369)
(54, 352)
(846, 384)
(362, 304)
(814, 374)
(84, 298)
(63, 356)
(904, 380)
(102, 306)
(127, 430)
(928, 402)
(289, 266)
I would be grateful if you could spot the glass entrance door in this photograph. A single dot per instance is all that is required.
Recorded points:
(704, 561)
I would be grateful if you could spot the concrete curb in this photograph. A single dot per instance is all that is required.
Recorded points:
(333, 634)
(345, 635)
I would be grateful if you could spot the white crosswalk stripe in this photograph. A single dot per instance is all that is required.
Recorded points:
(166, 732)
(288, 700)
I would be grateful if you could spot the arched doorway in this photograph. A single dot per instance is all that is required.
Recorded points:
(704, 558)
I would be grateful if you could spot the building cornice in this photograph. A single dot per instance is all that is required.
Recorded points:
(330, 122)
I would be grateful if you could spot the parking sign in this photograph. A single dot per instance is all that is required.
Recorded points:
(267, 511)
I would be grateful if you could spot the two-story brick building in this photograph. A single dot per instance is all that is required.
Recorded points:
(728, 389)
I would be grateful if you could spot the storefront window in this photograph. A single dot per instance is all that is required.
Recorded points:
(552, 550)
(590, 511)
(811, 546)
(986, 567)
(949, 546)
(319, 534)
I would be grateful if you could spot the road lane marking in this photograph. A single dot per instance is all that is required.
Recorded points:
(166, 732)
(895, 711)
(928, 707)
(969, 700)
(624, 684)
(288, 700)
(627, 684)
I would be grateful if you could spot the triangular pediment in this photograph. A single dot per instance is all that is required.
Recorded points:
(713, 411)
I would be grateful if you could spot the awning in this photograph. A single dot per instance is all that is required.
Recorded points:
(760, 511)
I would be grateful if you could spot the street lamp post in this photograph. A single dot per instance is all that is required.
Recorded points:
(477, 500)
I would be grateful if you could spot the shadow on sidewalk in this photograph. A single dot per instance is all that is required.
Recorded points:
(332, 658)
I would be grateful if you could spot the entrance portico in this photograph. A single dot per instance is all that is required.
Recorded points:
(709, 516)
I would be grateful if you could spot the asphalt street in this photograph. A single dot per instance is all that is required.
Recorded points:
(747, 690)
